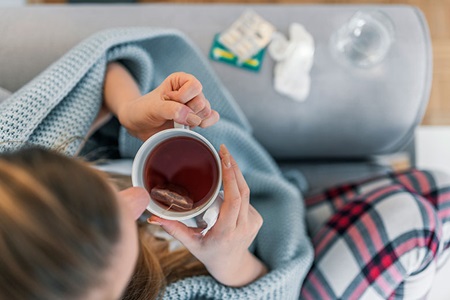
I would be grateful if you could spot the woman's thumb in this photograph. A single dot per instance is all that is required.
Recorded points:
(186, 235)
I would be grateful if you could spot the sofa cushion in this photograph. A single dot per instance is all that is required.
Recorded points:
(325, 174)
(349, 112)
(4, 94)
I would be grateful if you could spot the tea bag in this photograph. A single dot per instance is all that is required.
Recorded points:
(172, 196)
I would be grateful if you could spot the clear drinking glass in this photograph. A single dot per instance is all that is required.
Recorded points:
(364, 40)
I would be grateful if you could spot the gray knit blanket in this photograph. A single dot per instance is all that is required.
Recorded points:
(58, 107)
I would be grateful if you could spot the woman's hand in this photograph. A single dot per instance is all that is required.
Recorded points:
(179, 98)
(224, 249)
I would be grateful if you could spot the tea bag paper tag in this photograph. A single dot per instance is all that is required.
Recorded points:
(210, 216)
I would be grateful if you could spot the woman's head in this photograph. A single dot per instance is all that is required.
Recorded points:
(64, 231)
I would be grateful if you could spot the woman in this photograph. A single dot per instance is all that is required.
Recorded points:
(79, 240)
(82, 230)
(58, 107)
(224, 250)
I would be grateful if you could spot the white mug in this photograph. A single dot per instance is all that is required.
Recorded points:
(138, 175)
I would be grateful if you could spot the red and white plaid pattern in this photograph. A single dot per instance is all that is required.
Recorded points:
(381, 238)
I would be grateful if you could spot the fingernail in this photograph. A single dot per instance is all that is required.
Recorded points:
(225, 156)
(193, 120)
(149, 221)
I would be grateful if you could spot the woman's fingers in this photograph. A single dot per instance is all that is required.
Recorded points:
(172, 110)
(188, 236)
(182, 87)
(211, 120)
(136, 199)
(185, 89)
(244, 190)
(200, 112)
(200, 106)
(180, 113)
(256, 220)
(231, 206)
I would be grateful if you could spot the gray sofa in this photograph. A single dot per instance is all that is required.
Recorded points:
(350, 118)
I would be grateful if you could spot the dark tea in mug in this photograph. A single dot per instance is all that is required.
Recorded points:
(182, 166)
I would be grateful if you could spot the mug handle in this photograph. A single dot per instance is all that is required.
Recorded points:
(180, 126)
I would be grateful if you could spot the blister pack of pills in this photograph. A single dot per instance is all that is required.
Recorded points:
(247, 35)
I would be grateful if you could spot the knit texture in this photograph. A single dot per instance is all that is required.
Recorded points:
(58, 107)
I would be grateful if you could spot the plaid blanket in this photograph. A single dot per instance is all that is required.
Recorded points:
(381, 238)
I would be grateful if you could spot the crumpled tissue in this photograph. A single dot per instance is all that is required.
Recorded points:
(294, 59)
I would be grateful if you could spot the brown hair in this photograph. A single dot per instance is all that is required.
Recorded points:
(56, 233)
(59, 223)
(157, 266)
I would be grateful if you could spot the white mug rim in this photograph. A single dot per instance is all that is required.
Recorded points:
(141, 157)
